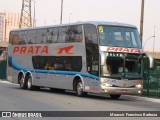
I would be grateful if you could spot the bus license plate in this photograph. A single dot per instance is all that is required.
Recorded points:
(123, 91)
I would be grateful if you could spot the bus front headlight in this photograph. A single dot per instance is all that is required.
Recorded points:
(106, 84)
(138, 86)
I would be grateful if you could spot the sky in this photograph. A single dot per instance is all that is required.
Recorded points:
(125, 11)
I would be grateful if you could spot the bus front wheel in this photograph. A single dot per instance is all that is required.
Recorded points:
(29, 84)
(79, 89)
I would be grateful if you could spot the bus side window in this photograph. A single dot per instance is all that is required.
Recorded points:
(74, 34)
(14, 38)
(79, 38)
(79, 34)
(22, 38)
(43, 39)
(51, 35)
(92, 52)
(31, 36)
(41, 36)
(38, 36)
(11, 37)
(55, 35)
(62, 34)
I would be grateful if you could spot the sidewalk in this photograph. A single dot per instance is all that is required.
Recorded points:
(132, 97)
(4, 81)
(142, 98)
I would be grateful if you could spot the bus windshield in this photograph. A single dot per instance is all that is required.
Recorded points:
(119, 36)
(128, 67)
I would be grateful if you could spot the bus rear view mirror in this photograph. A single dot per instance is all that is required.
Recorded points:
(151, 60)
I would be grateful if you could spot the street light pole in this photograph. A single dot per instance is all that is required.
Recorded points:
(141, 21)
(154, 37)
(146, 42)
(34, 15)
(61, 11)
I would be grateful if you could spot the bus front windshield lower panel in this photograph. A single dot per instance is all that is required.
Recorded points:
(120, 68)
(118, 36)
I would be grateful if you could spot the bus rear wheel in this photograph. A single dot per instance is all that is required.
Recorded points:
(79, 89)
(115, 96)
(22, 82)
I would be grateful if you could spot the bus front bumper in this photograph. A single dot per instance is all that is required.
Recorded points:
(120, 90)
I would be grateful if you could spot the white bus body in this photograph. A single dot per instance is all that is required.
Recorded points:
(80, 54)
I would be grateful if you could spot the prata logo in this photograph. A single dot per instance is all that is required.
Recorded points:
(65, 49)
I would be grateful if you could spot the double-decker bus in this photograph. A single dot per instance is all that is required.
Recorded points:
(86, 57)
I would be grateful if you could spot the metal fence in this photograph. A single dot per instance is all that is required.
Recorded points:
(3, 65)
(151, 83)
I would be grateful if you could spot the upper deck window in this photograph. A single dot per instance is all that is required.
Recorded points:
(70, 34)
(41, 36)
(52, 34)
(31, 37)
(65, 34)
(119, 36)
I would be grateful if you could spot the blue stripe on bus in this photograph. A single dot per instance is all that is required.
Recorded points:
(18, 67)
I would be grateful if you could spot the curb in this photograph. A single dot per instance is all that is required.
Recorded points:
(4, 81)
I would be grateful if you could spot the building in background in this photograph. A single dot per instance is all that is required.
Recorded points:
(8, 21)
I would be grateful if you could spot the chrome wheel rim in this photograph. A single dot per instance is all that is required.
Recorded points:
(79, 88)
(22, 82)
(29, 83)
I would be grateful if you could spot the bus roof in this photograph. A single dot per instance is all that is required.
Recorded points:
(107, 23)
(79, 23)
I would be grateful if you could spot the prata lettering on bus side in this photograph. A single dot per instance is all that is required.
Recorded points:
(120, 49)
(30, 50)
(40, 50)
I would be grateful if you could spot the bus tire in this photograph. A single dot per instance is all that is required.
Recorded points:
(29, 84)
(115, 96)
(79, 89)
(22, 82)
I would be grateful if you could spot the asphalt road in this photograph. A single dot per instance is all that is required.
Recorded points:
(12, 98)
